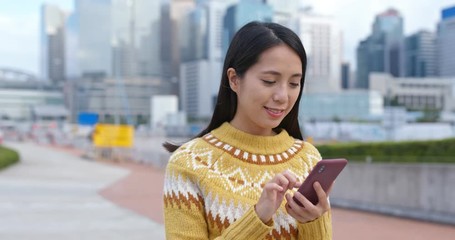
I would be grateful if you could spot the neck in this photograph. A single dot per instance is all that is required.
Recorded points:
(253, 143)
(253, 130)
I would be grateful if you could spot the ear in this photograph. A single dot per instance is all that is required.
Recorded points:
(233, 79)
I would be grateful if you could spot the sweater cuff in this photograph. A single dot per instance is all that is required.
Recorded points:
(249, 226)
(320, 228)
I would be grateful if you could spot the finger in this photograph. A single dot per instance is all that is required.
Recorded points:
(282, 180)
(291, 211)
(330, 188)
(271, 186)
(297, 184)
(324, 205)
(289, 200)
(296, 212)
(303, 200)
(319, 191)
(300, 198)
(293, 214)
(292, 179)
(311, 211)
(322, 197)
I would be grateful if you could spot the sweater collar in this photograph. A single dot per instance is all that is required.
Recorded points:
(253, 144)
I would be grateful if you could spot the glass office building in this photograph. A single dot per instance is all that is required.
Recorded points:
(445, 41)
(242, 13)
(346, 105)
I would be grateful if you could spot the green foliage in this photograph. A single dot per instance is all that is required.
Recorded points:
(440, 151)
(429, 115)
(7, 157)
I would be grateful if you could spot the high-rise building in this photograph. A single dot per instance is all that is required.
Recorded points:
(241, 13)
(370, 58)
(198, 80)
(345, 76)
(72, 70)
(94, 22)
(321, 38)
(201, 70)
(124, 42)
(383, 50)
(194, 45)
(283, 14)
(136, 39)
(216, 10)
(445, 43)
(420, 55)
(172, 38)
(53, 43)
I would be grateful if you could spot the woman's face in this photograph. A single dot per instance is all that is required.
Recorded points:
(267, 91)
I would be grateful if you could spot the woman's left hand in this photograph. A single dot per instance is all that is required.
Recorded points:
(309, 211)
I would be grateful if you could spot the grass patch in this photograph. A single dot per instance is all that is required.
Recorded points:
(7, 157)
(439, 151)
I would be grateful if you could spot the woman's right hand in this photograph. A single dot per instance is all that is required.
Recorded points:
(308, 212)
(273, 194)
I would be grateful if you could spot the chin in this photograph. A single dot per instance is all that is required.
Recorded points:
(273, 124)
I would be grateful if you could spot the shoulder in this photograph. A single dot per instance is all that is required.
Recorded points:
(188, 149)
(195, 155)
(309, 153)
(309, 148)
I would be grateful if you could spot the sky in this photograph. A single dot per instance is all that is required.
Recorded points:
(20, 23)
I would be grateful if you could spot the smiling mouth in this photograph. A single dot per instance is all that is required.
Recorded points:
(274, 110)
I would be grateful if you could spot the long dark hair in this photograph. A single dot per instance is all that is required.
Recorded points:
(244, 51)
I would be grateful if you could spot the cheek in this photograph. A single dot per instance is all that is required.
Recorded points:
(293, 97)
(253, 95)
(252, 100)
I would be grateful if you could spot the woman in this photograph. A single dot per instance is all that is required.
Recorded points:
(230, 182)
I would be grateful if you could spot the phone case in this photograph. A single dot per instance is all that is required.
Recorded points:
(325, 173)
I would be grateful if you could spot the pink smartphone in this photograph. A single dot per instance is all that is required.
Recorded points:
(325, 173)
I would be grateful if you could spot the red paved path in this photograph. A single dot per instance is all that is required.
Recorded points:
(141, 191)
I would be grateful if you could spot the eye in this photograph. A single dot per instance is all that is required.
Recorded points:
(268, 82)
(294, 85)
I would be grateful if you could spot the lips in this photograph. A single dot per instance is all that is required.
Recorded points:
(274, 112)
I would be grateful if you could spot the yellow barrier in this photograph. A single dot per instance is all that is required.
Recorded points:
(109, 135)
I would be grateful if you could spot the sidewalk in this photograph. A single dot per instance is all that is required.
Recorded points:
(141, 192)
(55, 195)
(65, 198)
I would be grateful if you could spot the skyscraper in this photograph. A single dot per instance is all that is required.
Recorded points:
(94, 43)
(283, 13)
(172, 14)
(383, 50)
(136, 39)
(241, 13)
(194, 45)
(345, 76)
(52, 43)
(420, 55)
(321, 38)
(72, 70)
(200, 72)
(445, 43)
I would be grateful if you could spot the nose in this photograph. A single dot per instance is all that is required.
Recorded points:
(280, 95)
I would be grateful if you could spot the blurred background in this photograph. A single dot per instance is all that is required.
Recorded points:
(110, 80)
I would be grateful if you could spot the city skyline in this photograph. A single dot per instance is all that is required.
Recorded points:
(19, 24)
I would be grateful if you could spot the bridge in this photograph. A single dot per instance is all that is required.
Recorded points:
(11, 74)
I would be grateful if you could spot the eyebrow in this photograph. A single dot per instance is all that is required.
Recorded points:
(272, 72)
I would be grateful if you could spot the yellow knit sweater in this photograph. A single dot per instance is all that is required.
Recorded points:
(212, 184)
